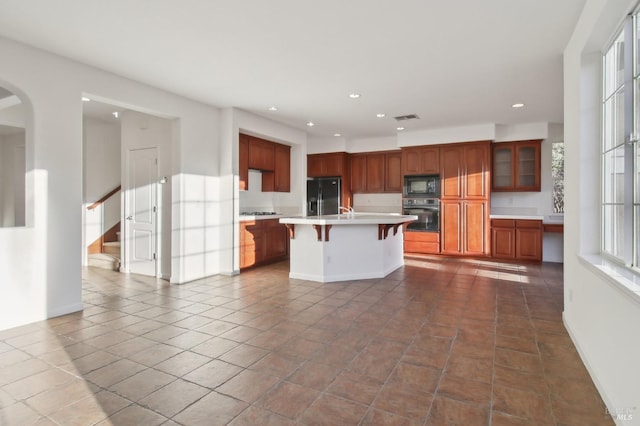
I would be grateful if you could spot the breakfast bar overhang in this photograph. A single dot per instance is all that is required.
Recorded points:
(345, 247)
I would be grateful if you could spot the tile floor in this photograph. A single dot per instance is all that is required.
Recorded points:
(437, 342)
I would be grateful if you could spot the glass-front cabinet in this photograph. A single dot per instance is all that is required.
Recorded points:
(516, 166)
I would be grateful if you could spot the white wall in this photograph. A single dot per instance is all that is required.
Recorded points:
(101, 174)
(601, 318)
(101, 158)
(40, 264)
(140, 131)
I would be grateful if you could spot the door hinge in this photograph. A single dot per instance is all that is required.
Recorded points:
(155, 209)
(156, 161)
(155, 257)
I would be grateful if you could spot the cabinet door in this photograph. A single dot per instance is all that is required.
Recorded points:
(430, 158)
(451, 226)
(451, 171)
(334, 164)
(393, 173)
(243, 161)
(474, 228)
(503, 241)
(476, 170)
(358, 173)
(251, 243)
(529, 240)
(314, 165)
(527, 166)
(411, 161)
(282, 168)
(261, 154)
(276, 239)
(503, 167)
(375, 173)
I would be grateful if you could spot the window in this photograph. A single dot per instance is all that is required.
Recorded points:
(557, 174)
(620, 127)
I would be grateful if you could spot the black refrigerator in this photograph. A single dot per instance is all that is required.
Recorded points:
(323, 196)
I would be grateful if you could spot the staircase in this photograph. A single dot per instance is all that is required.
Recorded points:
(104, 252)
(109, 255)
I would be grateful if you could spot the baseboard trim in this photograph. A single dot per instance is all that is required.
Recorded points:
(585, 360)
(64, 310)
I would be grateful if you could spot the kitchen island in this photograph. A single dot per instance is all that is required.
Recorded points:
(344, 247)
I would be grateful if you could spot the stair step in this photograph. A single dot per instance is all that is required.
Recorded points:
(105, 261)
(111, 247)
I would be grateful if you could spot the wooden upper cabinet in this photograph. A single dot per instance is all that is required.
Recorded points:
(282, 168)
(358, 173)
(465, 170)
(516, 166)
(420, 160)
(243, 161)
(326, 165)
(376, 172)
(451, 157)
(476, 170)
(393, 173)
(271, 158)
(261, 154)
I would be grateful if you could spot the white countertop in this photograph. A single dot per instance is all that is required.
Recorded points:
(248, 217)
(516, 217)
(351, 219)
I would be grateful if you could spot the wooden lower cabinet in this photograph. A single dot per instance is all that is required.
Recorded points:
(262, 241)
(421, 242)
(513, 239)
(464, 228)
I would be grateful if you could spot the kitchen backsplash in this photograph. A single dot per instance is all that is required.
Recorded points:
(378, 203)
(254, 200)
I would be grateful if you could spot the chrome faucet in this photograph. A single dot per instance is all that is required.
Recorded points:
(349, 210)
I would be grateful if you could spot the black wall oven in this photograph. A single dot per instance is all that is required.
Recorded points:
(421, 186)
(427, 210)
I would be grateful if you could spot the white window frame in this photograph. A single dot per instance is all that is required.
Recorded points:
(626, 252)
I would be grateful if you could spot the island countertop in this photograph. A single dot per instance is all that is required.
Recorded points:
(350, 219)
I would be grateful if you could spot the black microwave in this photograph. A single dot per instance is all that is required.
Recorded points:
(422, 186)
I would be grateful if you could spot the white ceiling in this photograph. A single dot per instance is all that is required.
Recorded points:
(452, 63)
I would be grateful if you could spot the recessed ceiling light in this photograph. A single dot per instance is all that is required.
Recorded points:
(273, 108)
(85, 99)
(518, 105)
(381, 115)
(116, 114)
(354, 95)
(337, 135)
(310, 123)
(400, 128)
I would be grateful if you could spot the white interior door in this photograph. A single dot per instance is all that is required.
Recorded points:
(141, 212)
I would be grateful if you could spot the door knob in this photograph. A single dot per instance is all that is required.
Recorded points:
(129, 217)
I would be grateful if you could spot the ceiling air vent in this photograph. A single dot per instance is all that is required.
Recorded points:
(407, 117)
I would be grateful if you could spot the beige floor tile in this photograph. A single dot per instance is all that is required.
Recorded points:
(174, 397)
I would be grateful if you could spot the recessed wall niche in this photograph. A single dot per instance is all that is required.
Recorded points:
(12, 160)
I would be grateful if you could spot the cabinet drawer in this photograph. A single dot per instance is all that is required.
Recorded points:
(503, 223)
(425, 237)
(421, 247)
(534, 224)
